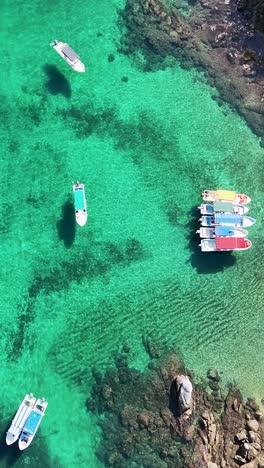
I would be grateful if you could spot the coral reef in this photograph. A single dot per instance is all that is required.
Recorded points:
(214, 37)
(143, 424)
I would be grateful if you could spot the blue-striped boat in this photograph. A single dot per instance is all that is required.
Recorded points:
(32, 423)
(80, 204)
(227, 219)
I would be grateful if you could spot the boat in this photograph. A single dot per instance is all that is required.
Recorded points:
(32, 423)
(80, 204)
(225, 244)
(227, 219)
(223, 231)
(223, 207)
(226, 195)
(69, 55)
(20, 418)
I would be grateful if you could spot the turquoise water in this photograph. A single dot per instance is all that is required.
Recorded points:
(145, 149)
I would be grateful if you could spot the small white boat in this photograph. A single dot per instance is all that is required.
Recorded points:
(224, 244)
(69, 55)
(225, 195)
(32, 423)
(20, 418)
(227, 219)
(223, 207)
(221, 231)
(80, 204)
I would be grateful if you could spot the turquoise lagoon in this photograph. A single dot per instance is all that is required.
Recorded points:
(145, 149)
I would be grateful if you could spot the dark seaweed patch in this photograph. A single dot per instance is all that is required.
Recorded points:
(114, 253)
(14, 146)
(134, 250)
(57, 83)
(66, 226)
(88, 120)
(17, 340)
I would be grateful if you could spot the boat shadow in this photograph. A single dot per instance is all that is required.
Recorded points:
(9, 453)
(205, 262)
(66, 226)
(57, 83)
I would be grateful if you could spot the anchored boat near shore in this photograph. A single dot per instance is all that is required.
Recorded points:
(31, 425)
(227, 219)
(69, 55)
(225, 195)
(20, 418)
(225, 244)
(223, 207)
(221, 231)
(80, 204)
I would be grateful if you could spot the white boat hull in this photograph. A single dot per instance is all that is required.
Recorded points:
(80, 204)
(206, 209)
(245, 221)
(209, 233)
(76, 63)
(26, 438)
(20, 418)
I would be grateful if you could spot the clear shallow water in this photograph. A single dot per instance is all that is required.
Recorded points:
(145, 149)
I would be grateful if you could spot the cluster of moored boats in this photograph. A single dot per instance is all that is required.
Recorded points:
(223, 221)
(26, 421)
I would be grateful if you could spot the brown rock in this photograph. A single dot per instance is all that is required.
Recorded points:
(189, 433)
(259, 415)
(242, 435)
(253, 425)
(252, 464)
(213, 375)
(144, 419)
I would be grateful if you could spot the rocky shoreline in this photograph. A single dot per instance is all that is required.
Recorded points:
(144, 423)
(217, 37)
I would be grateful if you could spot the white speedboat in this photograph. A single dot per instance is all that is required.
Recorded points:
(69, 55)
(224, 244)
(223, 207)
(32, 423)
(221, 231)
(80, 204)
(20, 418)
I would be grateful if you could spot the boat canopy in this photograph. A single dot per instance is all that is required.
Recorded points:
(223, 206)
(32, 422)
(231, 243)
(79, 198)
(225, 195)
(227, 218)
(70, 53)
(224, 231)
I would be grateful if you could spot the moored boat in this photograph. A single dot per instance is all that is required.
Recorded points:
(226, 195)
(32, 423)
(69, 55)
(223, 207)
(80, 204)
(221, 231)
(20, 418)
(224, 244)
(227, 219)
